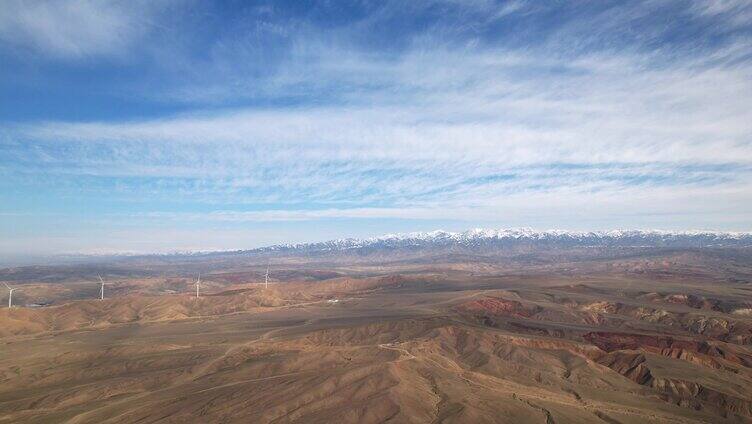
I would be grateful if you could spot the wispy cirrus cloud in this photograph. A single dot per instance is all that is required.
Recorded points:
(73, 29)
(737, 13)
(598, 116)
(477, 122)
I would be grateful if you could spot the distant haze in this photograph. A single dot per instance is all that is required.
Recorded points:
(478, 241)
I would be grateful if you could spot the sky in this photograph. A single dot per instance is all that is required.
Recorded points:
(160, 126)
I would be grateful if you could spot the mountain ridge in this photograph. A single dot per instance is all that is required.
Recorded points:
(480, 236)
(484, 236)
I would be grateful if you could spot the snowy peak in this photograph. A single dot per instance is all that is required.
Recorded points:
(515, 237)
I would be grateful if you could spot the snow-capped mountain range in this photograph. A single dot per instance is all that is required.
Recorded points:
(526, 237)
(477, 241)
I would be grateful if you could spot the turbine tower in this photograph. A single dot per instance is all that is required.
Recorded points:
(101, 288)
(266, 278)
(10, 295)
(198, 283)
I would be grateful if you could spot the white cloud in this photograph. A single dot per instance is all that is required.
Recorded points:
(500, 109)
(545, 135)
(554, 207)
(738, 13)
(76, 28)
(498, 127)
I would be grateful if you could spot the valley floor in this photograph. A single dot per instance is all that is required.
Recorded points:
(416, 349)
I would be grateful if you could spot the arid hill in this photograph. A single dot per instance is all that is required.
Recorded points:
(585, 341)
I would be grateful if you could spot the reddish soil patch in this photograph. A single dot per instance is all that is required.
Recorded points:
(500, 306)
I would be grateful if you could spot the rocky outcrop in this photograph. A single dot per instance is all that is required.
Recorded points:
(500, 307)
(629, 364)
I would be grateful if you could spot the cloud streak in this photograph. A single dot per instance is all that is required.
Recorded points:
(73, 29)
(597, 114)
(597, 126)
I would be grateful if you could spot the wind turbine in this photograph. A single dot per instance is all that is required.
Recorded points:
(101, 288)
(10, 295)
(198, 283)
(266, 278)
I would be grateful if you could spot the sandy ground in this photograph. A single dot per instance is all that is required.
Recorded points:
(429, 347)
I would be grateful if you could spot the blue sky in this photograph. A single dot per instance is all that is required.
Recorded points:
(152, 126)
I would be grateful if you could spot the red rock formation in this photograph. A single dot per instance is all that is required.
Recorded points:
(500, 306)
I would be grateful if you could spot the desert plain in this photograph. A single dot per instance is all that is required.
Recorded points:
(657, 336)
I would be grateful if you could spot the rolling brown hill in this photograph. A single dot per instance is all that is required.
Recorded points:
(452, 343)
